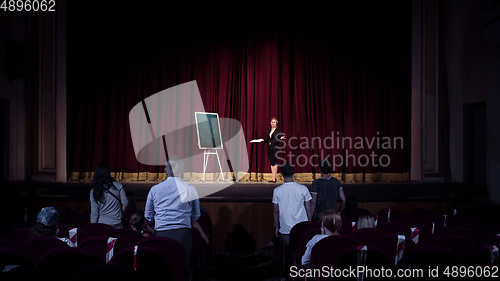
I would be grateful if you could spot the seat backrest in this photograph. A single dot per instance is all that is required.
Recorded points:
(468, 234)
(388, 244)
(461, 247)
(9, 255)
(375, 258)
(86, 212)
(391, 227)
(7, 228)
(355, 213)
(106, 272)
(125, 237)
(495, 230)
(173, 251)
(95, 244)
(10, 218)
(152, 263)
(97, 228)
(490, 240)
(327, 251)
(423, 214)
(36, 247)
(61, 263)
(433, 256)
(446, 222)
(81, 234)
(63, 226)
(305, 238)
(424, 235)
(346, 228)
(76, 220)
(368, 236)
(481, 229)
(481, 257)
(198, 242)
(383, 215)
(408, 221)
(17, 236)
(438, 228)
(297, 231)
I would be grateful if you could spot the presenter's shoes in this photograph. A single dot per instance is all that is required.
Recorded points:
(273, 181)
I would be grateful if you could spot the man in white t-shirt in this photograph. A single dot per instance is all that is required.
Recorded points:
(291, 204)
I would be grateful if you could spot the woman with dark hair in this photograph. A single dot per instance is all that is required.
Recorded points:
(107, 198)
(331, 222)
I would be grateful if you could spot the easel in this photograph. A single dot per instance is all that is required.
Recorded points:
(206, 154)
(209, 137)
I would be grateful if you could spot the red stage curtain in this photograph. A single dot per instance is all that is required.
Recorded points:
(337, 69)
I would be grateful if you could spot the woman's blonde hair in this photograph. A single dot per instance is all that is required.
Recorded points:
(365, 220)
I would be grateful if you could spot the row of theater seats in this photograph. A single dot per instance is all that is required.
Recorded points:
(479, 229)
(464, 240)
(155, 257)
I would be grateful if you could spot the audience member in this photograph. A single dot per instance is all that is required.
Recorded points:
(108, 200)
(325, 191)
(173, 206)
(47, 224)
(365, 220)
(331, 222)
(140, 224)
(291, 204)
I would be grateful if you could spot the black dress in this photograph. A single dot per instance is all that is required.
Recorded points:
(274, 145)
